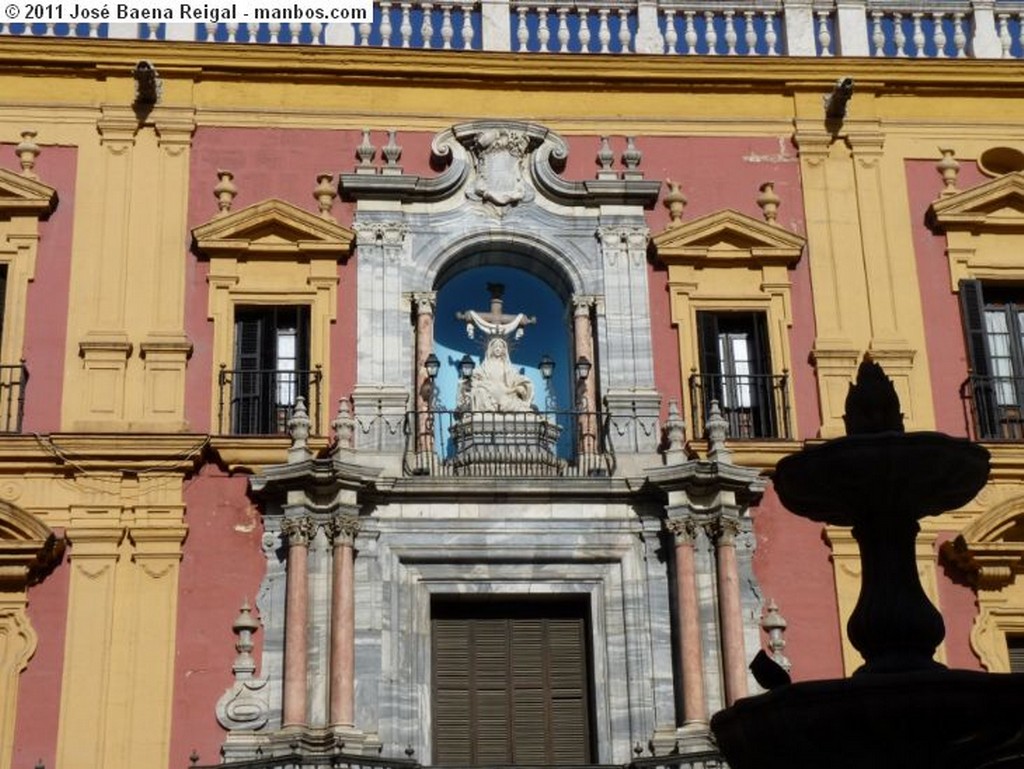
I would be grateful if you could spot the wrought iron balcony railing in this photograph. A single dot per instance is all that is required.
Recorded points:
(507, 444)
(995, 407)
(755, 405)
(260, 402)
(13, 379)
(983, 29)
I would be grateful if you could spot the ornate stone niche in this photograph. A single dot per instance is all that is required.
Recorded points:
(501, 200)
(273, 253)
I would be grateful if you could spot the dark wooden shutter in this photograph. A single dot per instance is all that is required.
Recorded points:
(972, 305)
(511, 689)
(251, 332)
(710, 361)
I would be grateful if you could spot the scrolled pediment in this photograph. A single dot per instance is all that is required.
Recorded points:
(272, 228)
(728, 237)
(20, 195)
(994, 205)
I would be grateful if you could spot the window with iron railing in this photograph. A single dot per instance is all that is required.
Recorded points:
(994, 327)
(735, 371)
(271, 371)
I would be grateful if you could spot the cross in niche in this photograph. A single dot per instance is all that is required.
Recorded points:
(496, 322)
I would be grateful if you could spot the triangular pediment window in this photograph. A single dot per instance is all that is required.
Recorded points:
(727, 237)
(21, 195)
(272, 227)
(997, 204)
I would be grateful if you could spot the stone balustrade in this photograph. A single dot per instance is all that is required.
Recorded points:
(985, 29)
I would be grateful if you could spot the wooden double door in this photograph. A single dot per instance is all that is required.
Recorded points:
(510, 683)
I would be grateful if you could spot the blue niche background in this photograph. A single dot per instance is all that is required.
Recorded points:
(525, 293)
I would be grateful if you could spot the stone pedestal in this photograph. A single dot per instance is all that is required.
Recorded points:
(506, 443)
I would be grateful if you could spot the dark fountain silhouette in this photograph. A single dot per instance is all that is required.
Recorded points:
(901, 708)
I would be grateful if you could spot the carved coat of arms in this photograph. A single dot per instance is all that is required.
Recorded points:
(499, 159)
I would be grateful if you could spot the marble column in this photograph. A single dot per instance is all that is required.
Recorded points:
(689, 654)
(587, 404)
(733, 658)
(424, 304)
(299, 532)
(343, 530)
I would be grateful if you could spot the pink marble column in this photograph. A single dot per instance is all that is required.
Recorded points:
(584, 341)
(734, 660)
(299, 532)
(343, 621)
(690, 656)
(423, 305)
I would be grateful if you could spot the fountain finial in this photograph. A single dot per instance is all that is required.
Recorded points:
(872, 405)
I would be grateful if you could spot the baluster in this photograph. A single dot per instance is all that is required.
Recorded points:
(364, 30)
(939, 33)
(467, 26)
(211, 32)
(583, 14)
(771, 37)
(274, 28)
(1004, 34)
(690, 34)
(710, 36)
(385, 24)
(1020, 35)
(824, 35)
(898, 35)
(603, 33)
(918, 35)
(427, 27)
(730, 34)
(877, 34)
(959, 36)
(671, 36)
(49, 30)
(315, 28)
(563, 30)
(405, 25)
(233, 28)
(750, 34)
(625, 36)
(522, 31)
(447, 32)
(543, 33)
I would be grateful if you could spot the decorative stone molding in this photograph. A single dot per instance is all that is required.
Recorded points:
(987, 550)
(728, 261)
(301, 250)
(984, 228)
(245, 706)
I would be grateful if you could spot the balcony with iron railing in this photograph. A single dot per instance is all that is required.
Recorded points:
(261, 401)
(756, 406)
(994, 407)
(983, 29)
(531, 444)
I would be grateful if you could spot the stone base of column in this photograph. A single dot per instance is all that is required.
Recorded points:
(694, 737)
(665, 741)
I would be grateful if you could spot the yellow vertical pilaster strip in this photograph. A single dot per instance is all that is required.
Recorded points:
(897, 333)
(157, 296)
(95, 535)
(97, 358)
(17, 644)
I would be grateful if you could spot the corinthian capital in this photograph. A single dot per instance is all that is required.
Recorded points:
(342, 529)
(684, 530)
(299, 530)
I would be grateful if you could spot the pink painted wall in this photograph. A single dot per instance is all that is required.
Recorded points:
(944, 333)
(46, 317)
(793, 565)
(39, 688)
(222, 565)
